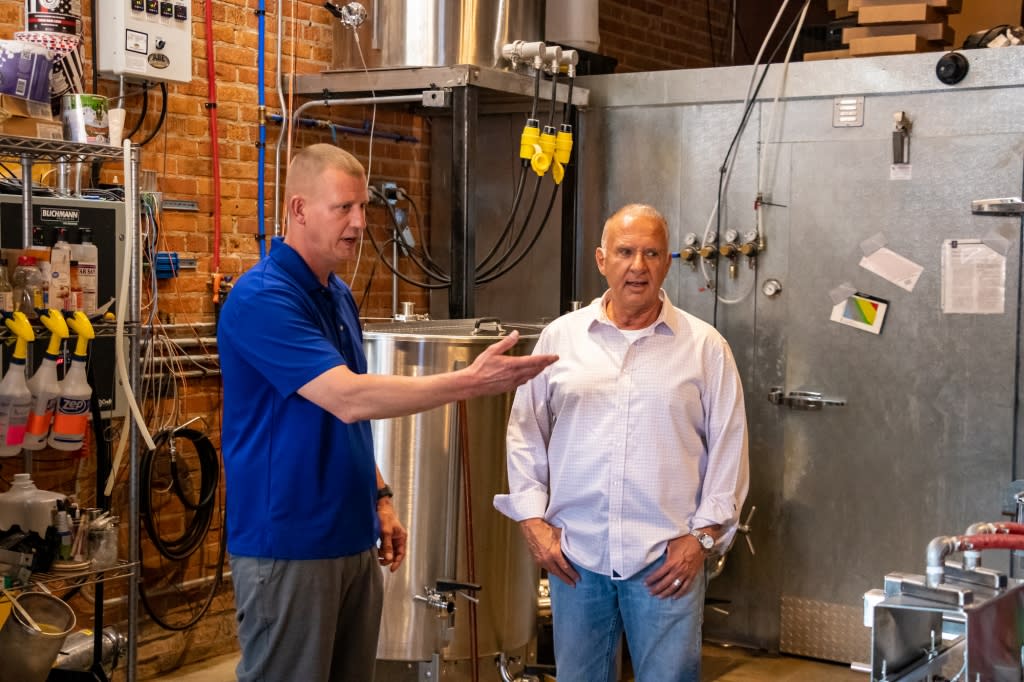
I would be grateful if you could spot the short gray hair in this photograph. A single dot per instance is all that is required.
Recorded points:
(637, 210)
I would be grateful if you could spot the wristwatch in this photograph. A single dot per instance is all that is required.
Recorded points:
(384, 492)
(706, 540)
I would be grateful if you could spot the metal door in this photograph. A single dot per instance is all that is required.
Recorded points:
(924, 443)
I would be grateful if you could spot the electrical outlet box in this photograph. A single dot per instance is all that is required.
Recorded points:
(145, 40)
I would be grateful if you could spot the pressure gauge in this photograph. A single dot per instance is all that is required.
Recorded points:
(771, 288)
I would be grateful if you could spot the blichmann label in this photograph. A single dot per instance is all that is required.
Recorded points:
(64, 216)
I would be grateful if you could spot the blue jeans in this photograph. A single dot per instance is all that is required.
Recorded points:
(663, 635)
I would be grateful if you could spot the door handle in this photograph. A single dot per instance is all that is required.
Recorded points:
(803, 400)
(1004, 206)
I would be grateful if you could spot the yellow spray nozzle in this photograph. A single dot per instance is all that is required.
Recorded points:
(22, 330)
(58, 326)
(81, 325)
(563, 144)
(529, 138)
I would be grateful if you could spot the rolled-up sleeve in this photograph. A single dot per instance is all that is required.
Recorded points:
(727, 478)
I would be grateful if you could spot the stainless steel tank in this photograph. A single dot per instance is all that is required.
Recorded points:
(401, 33)
(420, 457)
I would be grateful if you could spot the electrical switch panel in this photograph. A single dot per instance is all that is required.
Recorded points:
(145, 40)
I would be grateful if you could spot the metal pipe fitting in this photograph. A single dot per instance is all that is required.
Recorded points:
(938, 549)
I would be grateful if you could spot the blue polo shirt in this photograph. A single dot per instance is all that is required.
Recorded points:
(301, 484)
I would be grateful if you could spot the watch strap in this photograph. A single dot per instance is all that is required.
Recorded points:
(384, 491)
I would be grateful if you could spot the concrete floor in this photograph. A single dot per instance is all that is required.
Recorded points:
(720, 664)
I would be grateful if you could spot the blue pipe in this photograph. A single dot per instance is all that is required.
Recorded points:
(261, 17)
(350, 130)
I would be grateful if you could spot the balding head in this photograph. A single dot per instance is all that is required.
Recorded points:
(628, 213)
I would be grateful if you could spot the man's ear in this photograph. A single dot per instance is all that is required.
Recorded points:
(599, 257)
(297, 207)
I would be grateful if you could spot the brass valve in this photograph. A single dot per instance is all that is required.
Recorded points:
(708, 252)
(728, 250)
(749, 249)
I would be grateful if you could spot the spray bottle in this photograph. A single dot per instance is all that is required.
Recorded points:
(43, 385)
(72, 414)
(15, 398)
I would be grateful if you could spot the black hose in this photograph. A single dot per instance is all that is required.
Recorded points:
(197, 527)
(163, 116)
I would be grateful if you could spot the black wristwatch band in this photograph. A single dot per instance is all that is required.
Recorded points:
(384, 492)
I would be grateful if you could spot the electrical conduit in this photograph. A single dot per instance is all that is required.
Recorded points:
(211, 105)
(261, 18)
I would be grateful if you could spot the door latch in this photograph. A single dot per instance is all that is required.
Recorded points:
(803, 400)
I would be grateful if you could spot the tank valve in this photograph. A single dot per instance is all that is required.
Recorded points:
(730, 249)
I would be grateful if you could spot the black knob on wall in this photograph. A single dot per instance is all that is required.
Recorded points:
(952, 68)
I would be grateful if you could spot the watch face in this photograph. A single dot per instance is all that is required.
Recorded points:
(706, 541)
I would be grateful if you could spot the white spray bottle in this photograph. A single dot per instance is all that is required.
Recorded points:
(15, 398)
(43, 385)
(71, 417)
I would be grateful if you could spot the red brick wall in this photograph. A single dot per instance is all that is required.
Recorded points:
(654, 35)
(641, 34)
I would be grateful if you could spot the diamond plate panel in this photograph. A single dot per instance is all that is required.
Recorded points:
(817, 629)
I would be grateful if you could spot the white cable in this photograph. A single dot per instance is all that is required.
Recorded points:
(769, 134)
(743, 125)
(130, 209)
(770, 131)
(369, 160)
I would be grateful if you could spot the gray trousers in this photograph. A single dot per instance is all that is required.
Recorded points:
(314, 621)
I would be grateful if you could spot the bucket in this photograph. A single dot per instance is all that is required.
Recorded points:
(53, 16)
(85, 118)
(28, 654)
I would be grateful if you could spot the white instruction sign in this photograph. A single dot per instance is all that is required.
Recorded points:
(973, 278)
(886, 263)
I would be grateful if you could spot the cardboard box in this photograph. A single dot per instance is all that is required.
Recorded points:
(841, 8)
(16, 106)
(934, 33)
(825, 54)
(864, 47)
(24, 126)
(948, 6)
(906, 13)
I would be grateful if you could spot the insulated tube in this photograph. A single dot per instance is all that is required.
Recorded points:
(972, 557)
(941, 547)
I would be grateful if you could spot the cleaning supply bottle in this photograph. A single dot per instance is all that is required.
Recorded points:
(6, 291)
(87, 256)
(60, 272)
(27, 506)
(72, 414)
(28, 286)
(15, 398)
(44, 386)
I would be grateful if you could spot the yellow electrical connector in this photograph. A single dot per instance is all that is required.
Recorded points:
(563, 144)
(529, 139)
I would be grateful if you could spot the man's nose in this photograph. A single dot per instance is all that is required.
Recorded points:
(359, 218)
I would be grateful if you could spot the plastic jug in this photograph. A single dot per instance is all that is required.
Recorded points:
(27, 506)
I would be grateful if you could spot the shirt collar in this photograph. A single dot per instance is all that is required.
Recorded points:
(666, 323)
(289, 260)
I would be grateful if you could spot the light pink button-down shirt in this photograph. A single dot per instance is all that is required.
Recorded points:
(627, 445)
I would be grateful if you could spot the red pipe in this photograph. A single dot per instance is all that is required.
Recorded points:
(211, 105)
(941, 547)
(988, 541)
(1004, 527)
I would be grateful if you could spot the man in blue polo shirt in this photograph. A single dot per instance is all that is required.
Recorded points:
(306, 504)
